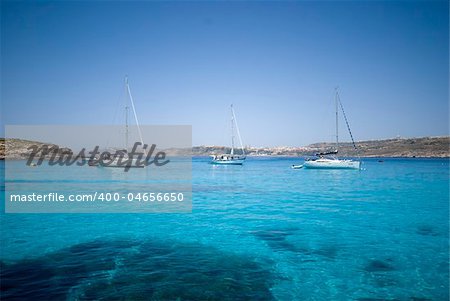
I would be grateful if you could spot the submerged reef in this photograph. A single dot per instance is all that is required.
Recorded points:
(136, 270)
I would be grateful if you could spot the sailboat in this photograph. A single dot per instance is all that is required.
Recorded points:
(231, 158)
(329, 160)
(122, 156)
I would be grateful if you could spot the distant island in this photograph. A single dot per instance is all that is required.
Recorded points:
(424, 147)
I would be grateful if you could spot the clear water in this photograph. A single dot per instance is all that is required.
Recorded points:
(261, 231)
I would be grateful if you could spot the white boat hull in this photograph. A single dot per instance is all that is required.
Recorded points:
(227, 160)
(332, 164)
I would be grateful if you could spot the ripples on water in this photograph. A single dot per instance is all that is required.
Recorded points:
(261, 231)
(136, 270)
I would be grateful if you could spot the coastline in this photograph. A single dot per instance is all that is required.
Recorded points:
(423, 147)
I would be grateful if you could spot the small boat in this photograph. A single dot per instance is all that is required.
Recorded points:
(329, 160)
(297, 166)
(231, 158)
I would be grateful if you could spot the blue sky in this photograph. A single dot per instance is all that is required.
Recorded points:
(277, 62)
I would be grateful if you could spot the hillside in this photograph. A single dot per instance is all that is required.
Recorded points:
(426, 147)
(18, 148)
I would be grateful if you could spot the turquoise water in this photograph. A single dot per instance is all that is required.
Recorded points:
(261, 231)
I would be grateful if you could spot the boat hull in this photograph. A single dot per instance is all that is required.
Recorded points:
(332, 164)
(297, 166)
(227, 160)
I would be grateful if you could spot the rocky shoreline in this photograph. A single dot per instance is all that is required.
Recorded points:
(17, 149)
(425, 147)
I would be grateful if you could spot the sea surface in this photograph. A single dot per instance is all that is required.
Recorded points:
(261, 231)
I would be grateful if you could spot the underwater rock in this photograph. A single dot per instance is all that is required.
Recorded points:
(137, 270)
(276, 238)
(426, 230)
(379, 266)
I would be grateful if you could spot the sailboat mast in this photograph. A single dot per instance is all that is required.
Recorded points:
(126, 117)
(237, 130)
(346, 121)
(126, 127)
(232, 130)
(134, 110)
(337, 122)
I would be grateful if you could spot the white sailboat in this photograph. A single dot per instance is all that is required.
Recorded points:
(122, 157)
(231, 158)
(328, 160)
